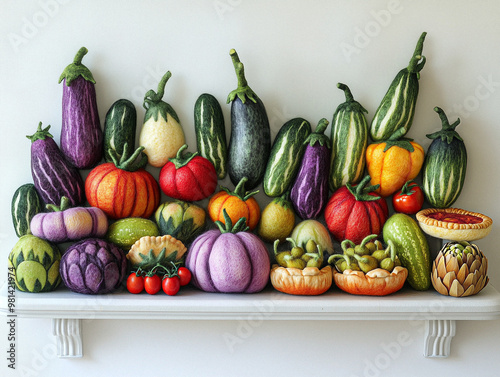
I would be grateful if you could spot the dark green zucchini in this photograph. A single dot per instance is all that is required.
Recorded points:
(26, 203)
(211, 132)
(119, 127)
(445, 165)
(250, 141)
(286, 155)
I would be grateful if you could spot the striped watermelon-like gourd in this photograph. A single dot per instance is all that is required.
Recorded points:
(26, 203)
(349, 136)
(286, 155)
(210, 132)
(445, 165)
(53, 176)
(394, 115)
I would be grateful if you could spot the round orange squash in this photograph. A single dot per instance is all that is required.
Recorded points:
(123, 189)
(310, 281)
(392, 163)
(377, 282)
(237, 204)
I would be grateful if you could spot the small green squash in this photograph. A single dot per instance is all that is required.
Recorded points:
(26, 203)
(125, 232)
(35, 264)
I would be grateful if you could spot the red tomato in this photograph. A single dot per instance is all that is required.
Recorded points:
(409, 199)
(171, 285)
(152, 284)
(135, 284)
(189, 178)
(184, 276)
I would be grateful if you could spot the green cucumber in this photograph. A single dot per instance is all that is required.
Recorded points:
(211, 132)
(125, 232)
(119, 128)
(394, 115)
(349, 135)
(411, 248)
(285, 157)
(26, 203)
(445, 165)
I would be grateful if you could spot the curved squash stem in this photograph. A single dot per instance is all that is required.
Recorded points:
(361, 191)
(243, 91)
(348, 94)
(318, 135)
(76, 69)
(413, 66)
(126, 162)
(153, 98)
(79, 55)
(447, 132)
(179, 161)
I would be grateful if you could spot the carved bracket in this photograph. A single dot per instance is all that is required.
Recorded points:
(68, 333)
(439, 334)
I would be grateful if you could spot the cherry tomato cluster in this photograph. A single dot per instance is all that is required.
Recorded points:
(170, 281)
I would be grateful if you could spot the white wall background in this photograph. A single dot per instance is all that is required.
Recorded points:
(294, 52)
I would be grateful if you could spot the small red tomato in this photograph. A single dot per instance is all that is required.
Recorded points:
(171, 285)
(152, 284)
(409, 199)
(184, 276)
(135, 284)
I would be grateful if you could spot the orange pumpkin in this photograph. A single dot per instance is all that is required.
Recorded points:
(123, 189)
(392, 163)
(377, 282)
(309, 281)
(237, 204)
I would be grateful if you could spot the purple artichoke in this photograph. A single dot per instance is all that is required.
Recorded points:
(93, 266)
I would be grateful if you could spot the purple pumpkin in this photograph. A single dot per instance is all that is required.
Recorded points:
(53, 176)
(81, 134)
(309, 192)
(93, 266)
(229, 259)
(69, 224)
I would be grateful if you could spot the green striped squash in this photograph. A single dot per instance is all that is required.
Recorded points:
(286, 156)
(211, 132)
(26, 203)
(394, 115)
(349, 135)
(119, 128)
(445, 165)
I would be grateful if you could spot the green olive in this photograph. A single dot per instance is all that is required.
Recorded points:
(379, 255)
(297, 252)
(387, 264)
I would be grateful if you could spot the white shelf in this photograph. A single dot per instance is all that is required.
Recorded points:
(67, 309)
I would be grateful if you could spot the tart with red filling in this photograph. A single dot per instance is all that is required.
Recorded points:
(454, 224)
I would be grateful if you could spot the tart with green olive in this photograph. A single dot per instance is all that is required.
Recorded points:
(454, 224)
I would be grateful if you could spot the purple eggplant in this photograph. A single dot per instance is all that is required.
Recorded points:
(53, 176)
(81, 133)
(309, 192)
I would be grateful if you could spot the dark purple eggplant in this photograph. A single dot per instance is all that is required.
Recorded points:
(53, 176)
(250, 141)
(81, 133)
(309, 192)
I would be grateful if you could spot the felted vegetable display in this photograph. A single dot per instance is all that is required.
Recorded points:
(161, 134)
(93, 266)
(123, 188)
(188, 177)
(25, 204)
(277, 219)
(148, 252)
(53, 176)
(35, 264)
(125, 232)
(445, 164)
(181, 220)
(119, 127)
(394, 116)
(309, 191)
(238, 204)
(356, 211)
(211, 132)
(67, 223)
(349, 137)
(250, 141)
(392, 163)
(229, 259)
(307, 230)
(286, 155)
(81, 134)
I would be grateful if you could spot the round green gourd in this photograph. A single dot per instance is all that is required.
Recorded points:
(26, 203)
(35, 264)
(125, 232)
